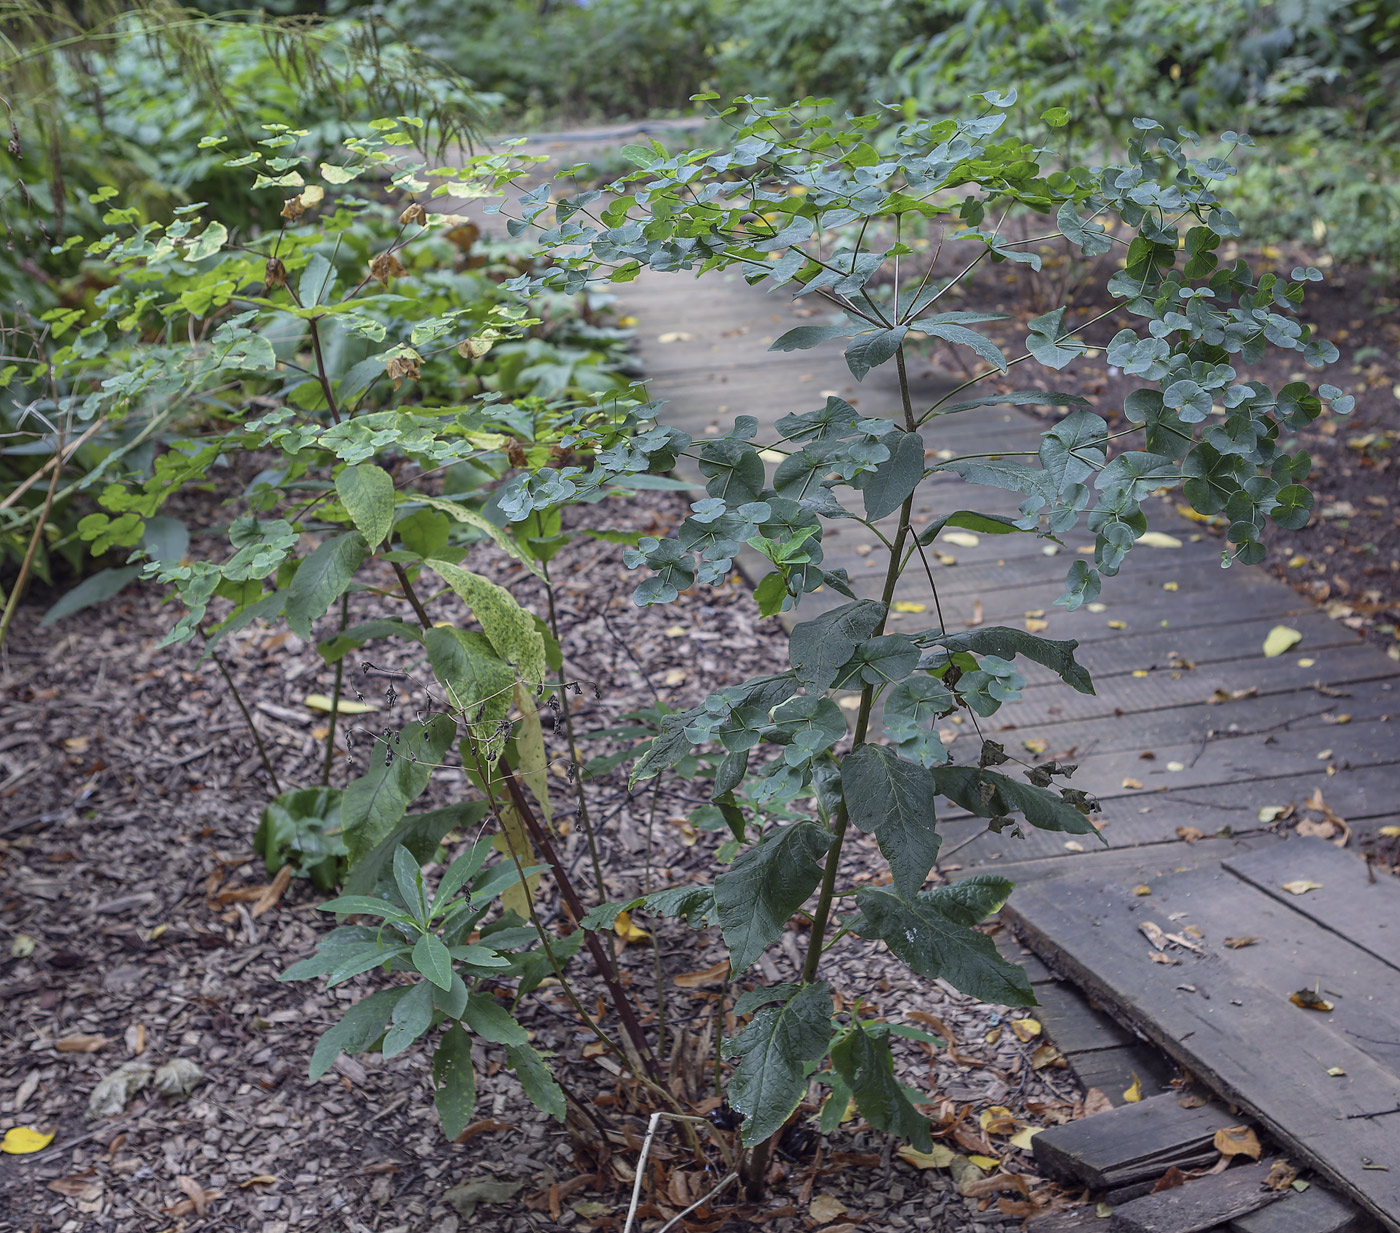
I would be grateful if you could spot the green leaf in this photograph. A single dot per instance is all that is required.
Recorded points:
(869, 351)
(771, 1078)
(322, 578)
(454, 1081)
(332, 650)
(895, 478)
(969, 520)
(374, 803)
(1017, 398)
(765, 885)
(535, 1078)
(894, 800)
(477, 682)
(820, 648)
(359, 1028)
(471, 518)
(316, 281)
(863, 1060)
(95, 589)
(986, 794)
(1007, 642)
(1044, 343)
(962, 336)
(508, 627)
(940, 946)
(460, 872)
(420, 833)
(411, 1018)
(804, 337)
(431, 958)
(488, 1019)
(408, 881)
(367, 492)
(972, 900)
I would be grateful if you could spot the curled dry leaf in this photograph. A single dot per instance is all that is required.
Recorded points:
(1026, 1029)
(825, 1208)
(82, 1044)
(1301, 886)
(939, 1158)
(273, 891)
(1170, 1180)
(1309, 1000)
(1237, 1141)
(997, 1183)
(1134, 1093)
(1240, 943)
(1281, 1176)
(709, 976)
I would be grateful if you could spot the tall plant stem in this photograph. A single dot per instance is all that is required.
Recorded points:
(756, 1165)
(335, 697)
(247, 719)
(579, 790)
(16, 591)
(608, 974)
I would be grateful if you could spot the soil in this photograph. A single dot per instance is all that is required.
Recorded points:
(1347, 559)
(140, 928)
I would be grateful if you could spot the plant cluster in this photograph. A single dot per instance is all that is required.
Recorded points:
(386, 481)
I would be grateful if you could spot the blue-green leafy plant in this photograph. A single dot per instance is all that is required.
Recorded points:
(803, 201)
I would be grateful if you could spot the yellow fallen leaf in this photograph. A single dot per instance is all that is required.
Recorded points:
(1280, 639)
(825, 1208)
(22, 1140)
(998, 1120)
(1025, 1028)
(1389, 832)
(1301, 886)
(905, 605)
(1237, 1141)
(1022, 1138)
(1134, 1093)
(961, 539)
(1036, 745)
(1130, 782)
(939, 1158)
(1171, 586)
(1103, 1211)
(674, 676)
(1306, 663)
(1096, 606)
(1176, 766)
(1118, 625)
(1157, 539)
(1142, 889)
(627, 931)
(1270, 812)
(323, 702)
(1139, 672)
(627, 322)
(1240, 943)
(993, 1036)
(1035, 626)
(1336, 1072)
(675, 336)
(675, 631)
(985, 1162)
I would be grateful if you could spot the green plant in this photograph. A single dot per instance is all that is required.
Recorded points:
(378, 498)
(807, 202)
(302, 829)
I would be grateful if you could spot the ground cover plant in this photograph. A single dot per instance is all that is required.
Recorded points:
(380, 481)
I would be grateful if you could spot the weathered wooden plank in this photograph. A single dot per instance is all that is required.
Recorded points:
(1132, 1143)
(1133, 865)
(1074, 1025)
(1198, 1205)
(1350, 901)
(1314, 1210)
(1291, 951)
(1251, 1045)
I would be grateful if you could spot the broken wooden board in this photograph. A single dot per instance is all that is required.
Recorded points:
(1200, 1204)
(1246, 1041)
(1349, 898)
(1133, 1143)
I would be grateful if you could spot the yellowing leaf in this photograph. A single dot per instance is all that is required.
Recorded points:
(674, 336)
(22, 1140)
(1036, 745)
(961, 539)
(1118, 625)
(312, 195)
(904, 605)
(1237, 1141)
(1281, 638)
(1270, 812)
(1130, 782)
(1134, 1093)
(1036, 626)
(627, 931)
(1142, 889)
(1171, 586)
(1022, 1138)
(825, 1208)
(939, 1158)
(1309, 1000)
(1301, 886)
(1025, 1028)
(323, 702)
(985, 1162)
(1103, 1211)
(1336, 1072)
(1306, 663)
(1389, 832)
(1157, 539)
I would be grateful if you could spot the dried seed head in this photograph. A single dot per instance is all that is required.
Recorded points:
(413, 213)
(275, 273)
(386, 266)
(293, 208)
(400, 369)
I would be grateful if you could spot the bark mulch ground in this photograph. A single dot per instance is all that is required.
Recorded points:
(138, 928)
